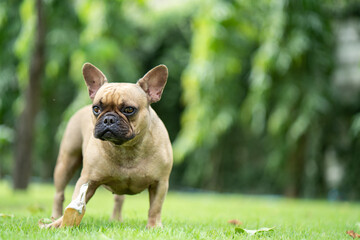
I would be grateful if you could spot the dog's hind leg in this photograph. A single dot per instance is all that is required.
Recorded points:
(119, 200)
(66, 166)
(69, 160)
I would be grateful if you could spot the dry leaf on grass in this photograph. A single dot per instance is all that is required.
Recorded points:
(253, 232)
(353, 234)
(235, 222)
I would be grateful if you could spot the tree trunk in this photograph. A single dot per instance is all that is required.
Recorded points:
(26, 122)
(295, 167)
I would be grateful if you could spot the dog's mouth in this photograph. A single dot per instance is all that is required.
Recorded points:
(109, 135)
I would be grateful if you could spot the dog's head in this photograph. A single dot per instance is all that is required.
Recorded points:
(121, 110)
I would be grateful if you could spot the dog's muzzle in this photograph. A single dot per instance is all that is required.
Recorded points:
(113, 128)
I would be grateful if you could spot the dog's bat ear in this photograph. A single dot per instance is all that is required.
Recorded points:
(94, 78)
(153, 82)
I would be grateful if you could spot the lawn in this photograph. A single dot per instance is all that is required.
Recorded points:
(185, 216)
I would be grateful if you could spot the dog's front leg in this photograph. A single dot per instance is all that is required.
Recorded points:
(157, 193)
(75, 220)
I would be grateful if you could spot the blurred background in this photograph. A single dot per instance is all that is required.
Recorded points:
(263, 96)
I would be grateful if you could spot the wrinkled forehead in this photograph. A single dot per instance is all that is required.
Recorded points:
(119, 94)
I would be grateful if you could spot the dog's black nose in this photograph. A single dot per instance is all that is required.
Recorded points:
(109, 120)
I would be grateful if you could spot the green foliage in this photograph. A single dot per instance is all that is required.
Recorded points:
(266, 84)
(249, 103)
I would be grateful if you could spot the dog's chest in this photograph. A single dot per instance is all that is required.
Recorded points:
(129, 180)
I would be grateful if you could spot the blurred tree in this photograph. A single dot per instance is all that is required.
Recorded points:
(26, 123)
(267, 65)
(257, 112)
(9, 89)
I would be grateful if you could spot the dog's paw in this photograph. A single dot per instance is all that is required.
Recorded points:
(116, 219)
(55, 224)
(154, 225)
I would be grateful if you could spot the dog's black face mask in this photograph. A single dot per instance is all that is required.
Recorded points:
(113, 128)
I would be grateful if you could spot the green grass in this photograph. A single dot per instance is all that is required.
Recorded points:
(185, 216)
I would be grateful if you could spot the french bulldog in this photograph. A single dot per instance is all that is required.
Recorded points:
(120, 141)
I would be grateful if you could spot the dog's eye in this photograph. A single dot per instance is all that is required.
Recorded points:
(129, 110)
(96, 110)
